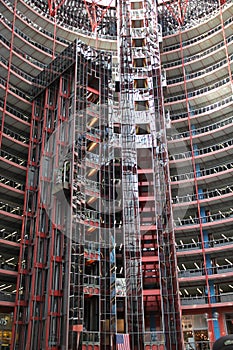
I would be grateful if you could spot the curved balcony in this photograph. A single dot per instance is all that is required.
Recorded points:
(201, 37)
(198, 92)
(27, 39)
(13, 89)
(204, 129)
(220, 216)
(13, 236)
(11, 209)
(23, 56)
(70, 17)
(207, 194)
(221, 168)
(200, 299)
(7, 296)
(198, 56)
(36, 27)
(196, 20)
(194, 113)
(15, 113)
(16, 136)
(189, 273)
(203, 151)
(17, 160)
(197, 245)
(200, 73)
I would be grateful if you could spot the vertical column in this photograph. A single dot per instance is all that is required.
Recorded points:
(131, 227)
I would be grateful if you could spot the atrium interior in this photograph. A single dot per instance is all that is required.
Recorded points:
(116, 211)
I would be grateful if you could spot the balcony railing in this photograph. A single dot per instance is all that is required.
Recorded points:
(201, 54)
(210, 244)
(200, 299)
(15, 90)
(202, 151)
(205, 219)
(13, 236)
(195, 112)
(197, 92)
(90, 280)
(16, 136)
(27, 38)
(15, 112)
(209, 270)
(7, 296)
(12, 158)
(200, 37)
(204, 195)
(203, 172)
(11, 183)
(204, 129)
(11, 209)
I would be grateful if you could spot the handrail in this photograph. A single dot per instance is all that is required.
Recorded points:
(198, 38)
(205, 195)
(202, 299)
(10, 236)
(63, 17)
(21, 53)
(205, 219)
(15, 135)
(197, 92)
(196, 21)
(26, 76)
(198, 55)
(200, 72)
(11, 209)
(16, 113)
(202, 151)
(195, 112)
(7, 296)
(15, 90)
(203, 129)
(210, 244)
(13, 158)
(210, 270)
(36, 26)
(27, 38)
(203, 172)
(12, 183)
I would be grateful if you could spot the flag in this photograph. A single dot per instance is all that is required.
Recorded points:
(122, 341)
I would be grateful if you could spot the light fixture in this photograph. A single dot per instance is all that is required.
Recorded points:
(92, 146)
(10, 285)
(228, 261)
(94, 120)
(92, 172)
(8, 260)
(91, 200)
